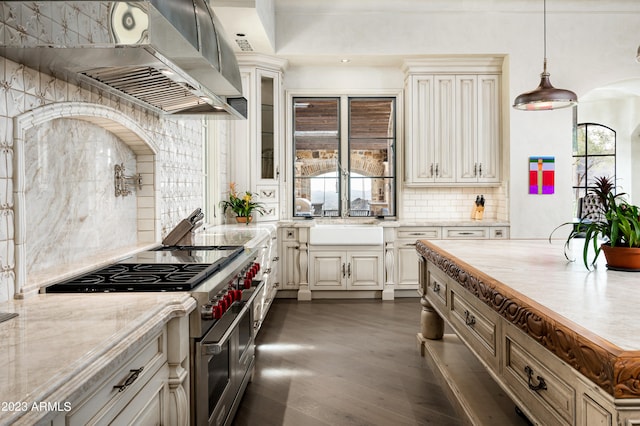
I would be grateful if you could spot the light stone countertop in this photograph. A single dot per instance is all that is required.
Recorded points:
(58, 342)
(601, 302)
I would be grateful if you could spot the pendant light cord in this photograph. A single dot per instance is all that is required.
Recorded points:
(544, 23)
(544, 26)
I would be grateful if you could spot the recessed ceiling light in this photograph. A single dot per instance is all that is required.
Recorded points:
(345, 60)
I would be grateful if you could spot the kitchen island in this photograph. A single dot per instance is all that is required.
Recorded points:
(561, 340)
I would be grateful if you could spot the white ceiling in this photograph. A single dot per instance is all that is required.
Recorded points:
(243, 23)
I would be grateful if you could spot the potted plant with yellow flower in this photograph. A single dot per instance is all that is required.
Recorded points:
(242, 204)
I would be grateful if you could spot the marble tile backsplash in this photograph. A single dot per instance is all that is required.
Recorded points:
(68, 169)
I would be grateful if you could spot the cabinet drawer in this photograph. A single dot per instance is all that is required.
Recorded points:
(267, 193)
(270, 212)
(465, 232)
(475, 325)
(419, 233)
(112, 395)
(436, 284)
(545, 394)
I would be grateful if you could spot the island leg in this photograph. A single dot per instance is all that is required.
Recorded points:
(431, 324)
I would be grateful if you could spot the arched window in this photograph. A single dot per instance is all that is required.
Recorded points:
(594, 155)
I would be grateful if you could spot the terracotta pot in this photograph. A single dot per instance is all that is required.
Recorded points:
(244, 219)
(622, 258)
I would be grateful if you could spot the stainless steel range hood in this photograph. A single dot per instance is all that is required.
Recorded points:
(167, 55)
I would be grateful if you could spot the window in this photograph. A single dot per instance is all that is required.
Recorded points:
(594, 155)
(344, 162)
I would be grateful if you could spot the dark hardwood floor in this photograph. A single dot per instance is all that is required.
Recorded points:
(342, 362)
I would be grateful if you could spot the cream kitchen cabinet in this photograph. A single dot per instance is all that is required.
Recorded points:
(256, 154)
(147, 387)
(453, 121)
(289, 263)
(334, 269)
(431, 147)
(478, 128)
(406, 256)
(407, 274)
(269, 261)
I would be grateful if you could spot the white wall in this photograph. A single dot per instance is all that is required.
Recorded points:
(589, 44)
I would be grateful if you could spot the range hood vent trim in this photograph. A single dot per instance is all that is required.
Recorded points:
(169, 56)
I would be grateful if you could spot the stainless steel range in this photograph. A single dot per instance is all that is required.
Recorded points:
(224, 281)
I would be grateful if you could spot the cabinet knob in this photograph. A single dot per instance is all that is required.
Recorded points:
(436, 287)
(469, 318)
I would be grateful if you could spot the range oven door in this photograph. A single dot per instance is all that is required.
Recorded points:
(223, 364)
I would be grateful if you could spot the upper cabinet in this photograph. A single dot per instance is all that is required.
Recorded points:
(258, 147)
(453, 121)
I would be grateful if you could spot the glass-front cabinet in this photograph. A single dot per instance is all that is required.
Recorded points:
(267, 96)
(258, 144)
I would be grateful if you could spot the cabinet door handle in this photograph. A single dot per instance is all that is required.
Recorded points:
(436, 169)
(133, 376)
(542, 385)
(469, 318)
(349, 270)
(344, 274)
(436, 287)
(475, 169)
(480, 170)
(418, 234)
(275, 259)
(431, 170)
(465, 233)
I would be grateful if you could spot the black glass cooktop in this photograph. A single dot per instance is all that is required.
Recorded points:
(163, 269)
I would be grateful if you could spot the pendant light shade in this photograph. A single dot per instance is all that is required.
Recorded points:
(545, 96)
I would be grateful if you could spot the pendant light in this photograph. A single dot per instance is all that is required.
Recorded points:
(545, 96)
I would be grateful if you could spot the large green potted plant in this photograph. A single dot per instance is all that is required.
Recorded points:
(615, 230)
(243, 205)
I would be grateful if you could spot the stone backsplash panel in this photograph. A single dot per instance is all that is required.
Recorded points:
(69, 193)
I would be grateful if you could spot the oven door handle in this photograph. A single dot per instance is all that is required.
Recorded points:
(216, 348)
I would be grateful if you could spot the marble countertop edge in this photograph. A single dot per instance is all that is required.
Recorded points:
(96, 365)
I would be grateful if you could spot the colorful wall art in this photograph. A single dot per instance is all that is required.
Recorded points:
(541, 175)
